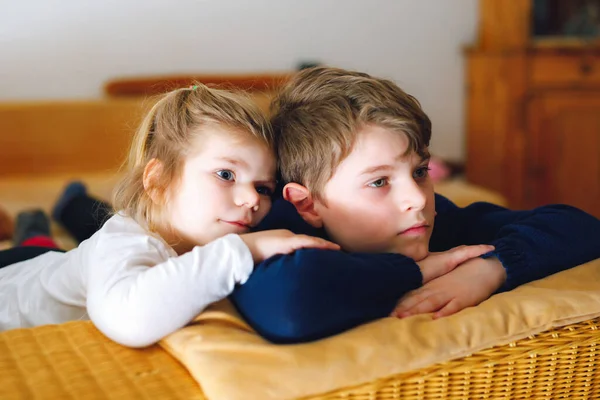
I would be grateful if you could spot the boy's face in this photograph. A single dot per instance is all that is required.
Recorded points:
(379, 200)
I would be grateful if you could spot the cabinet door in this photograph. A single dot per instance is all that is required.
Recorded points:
(563, 161)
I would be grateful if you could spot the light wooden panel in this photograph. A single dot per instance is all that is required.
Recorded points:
(495, 121)
(564, 150)
(62, 137)
(44, 138)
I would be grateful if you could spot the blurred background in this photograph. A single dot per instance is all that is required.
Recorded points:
(512, 87)
(65, 49)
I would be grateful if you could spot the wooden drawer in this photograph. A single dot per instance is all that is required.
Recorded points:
(564, 70)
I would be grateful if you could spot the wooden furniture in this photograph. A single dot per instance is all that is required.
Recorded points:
(533, 111)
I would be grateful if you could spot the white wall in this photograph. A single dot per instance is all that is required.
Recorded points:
(52, 49)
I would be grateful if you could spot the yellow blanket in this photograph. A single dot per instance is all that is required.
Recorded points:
(232, 362)
(76, 361)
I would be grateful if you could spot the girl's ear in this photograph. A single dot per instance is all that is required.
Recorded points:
(151, 180)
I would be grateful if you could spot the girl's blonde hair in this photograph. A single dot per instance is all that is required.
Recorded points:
(167, 133)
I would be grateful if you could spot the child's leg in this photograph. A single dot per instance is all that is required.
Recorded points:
(31, 238)
(80, 214)
(33, 229)
(18, 254)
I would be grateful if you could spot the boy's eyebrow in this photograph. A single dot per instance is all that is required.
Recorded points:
(385, 167)
(376, 168)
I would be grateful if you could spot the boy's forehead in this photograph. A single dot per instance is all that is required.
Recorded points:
(374, 141)
(376, 145)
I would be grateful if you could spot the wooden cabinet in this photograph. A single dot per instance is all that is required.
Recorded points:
(564, 161)
(533, 112)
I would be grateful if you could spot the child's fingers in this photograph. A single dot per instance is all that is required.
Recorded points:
(432, 303)
(465, 253)
(410, 300)
(451, 308)
(305, 241)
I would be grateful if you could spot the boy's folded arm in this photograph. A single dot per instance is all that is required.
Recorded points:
(312, 294)
(530, 244)
(544, 241)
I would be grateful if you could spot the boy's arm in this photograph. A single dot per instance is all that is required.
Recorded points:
(315, 293)
(530, 244)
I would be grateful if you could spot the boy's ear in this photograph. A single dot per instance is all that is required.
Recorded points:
(151, 180)
(300, 197)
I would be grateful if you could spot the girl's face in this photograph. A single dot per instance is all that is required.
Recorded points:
(225, 186)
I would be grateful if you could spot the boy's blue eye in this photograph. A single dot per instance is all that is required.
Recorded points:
(378, 183)
(226, 174)
(421, 173)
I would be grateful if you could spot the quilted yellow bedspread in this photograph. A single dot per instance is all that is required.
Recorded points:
(75, 361)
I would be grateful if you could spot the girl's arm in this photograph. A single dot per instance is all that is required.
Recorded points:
(139, 291)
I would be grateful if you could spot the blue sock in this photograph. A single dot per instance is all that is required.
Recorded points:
(72, 190)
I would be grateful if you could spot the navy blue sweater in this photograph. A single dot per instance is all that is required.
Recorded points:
(312, 294)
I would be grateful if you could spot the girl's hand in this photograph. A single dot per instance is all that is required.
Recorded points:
(266, 244)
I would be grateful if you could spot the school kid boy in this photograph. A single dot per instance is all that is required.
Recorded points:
(353, 150)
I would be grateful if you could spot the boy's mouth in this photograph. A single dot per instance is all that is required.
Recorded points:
(416, 230)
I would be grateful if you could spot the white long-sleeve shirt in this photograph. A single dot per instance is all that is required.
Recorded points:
(131, 284)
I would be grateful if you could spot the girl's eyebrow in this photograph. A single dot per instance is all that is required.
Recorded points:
(234, 161)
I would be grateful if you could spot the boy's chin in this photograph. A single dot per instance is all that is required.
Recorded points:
(416, 252)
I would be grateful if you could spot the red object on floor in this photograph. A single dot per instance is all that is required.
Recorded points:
(40, 241)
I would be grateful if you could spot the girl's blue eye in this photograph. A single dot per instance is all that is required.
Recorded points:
(378, 183)
(421, 173)
(264, 190)
(226, 175)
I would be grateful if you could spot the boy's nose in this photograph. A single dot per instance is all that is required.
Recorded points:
(411, 197)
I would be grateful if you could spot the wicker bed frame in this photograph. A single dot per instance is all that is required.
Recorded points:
(74, 361)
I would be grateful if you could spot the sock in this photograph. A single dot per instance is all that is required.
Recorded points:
(72, 190)
(39, 241)
(30, 224)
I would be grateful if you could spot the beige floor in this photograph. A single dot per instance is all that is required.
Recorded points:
(18, 194)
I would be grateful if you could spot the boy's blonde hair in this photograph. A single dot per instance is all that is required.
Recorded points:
(318, 113)
(167, 134)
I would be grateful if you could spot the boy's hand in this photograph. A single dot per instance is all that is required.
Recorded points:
(466, 286)
(266, 244)
(438, 264)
